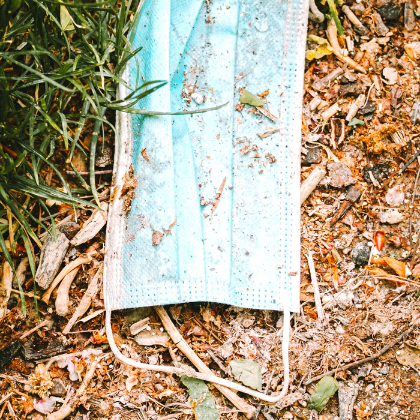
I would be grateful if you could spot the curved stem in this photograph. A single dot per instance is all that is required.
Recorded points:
(181, 371)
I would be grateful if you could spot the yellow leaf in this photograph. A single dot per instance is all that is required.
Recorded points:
(324, 48)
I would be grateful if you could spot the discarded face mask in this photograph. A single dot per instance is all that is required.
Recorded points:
(194, 216)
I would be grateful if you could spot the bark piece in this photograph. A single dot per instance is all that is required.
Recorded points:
(52, 255)
(20, 272)
(62, 301)
(35, 349)
(6, 282)
(86, 300)
(9, 352)
(92, 226)
(311, 182)
(347, 395)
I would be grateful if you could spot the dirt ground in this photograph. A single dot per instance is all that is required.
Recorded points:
(360, 126)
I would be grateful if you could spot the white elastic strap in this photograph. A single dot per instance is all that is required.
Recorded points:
(211, 378)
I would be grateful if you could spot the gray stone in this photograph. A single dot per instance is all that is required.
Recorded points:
(340, 175)
(58, 389)
(368, 108)
(360, 253)
(390, 11)
(364, 370)
(379, 172)
(313, 156)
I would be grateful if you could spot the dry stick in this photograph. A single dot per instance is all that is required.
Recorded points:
(176, 337)
(6, 283)
(217, 361)
(66, 270)
(40, 325)
(358, 26)
(86, 300)
(67, 409)
(62, 300)
(326, 80)
(30, 294)
(207, 329)
(104, 172)
(311, 182)
(257, 412)
(409, 162)
(332, 37)
(367, 359)
(218, 195)
(91, 316)
(317, 297)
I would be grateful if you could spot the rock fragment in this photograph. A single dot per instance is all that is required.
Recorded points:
(340, 175)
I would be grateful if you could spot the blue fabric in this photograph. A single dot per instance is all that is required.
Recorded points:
(248, 253)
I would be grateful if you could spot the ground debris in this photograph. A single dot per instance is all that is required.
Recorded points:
(128, 190)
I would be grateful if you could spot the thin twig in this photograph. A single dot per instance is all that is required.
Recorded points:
(218, 195)
(207, 329)
(366, 359)
(40, 325)
(317, 297)
(217, 361)
(409, 162)
(104, 172)
(257, 412)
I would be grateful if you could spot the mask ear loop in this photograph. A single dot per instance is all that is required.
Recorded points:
(187, 371)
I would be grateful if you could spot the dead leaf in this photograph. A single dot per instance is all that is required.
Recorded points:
(397, 266)
(145, 155)
(131, 382)
(384, 275)
(409, 356)
(157, 237)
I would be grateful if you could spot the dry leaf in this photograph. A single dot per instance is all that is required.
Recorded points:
(145, 155)
(383, 274)
(156, 237)
(397, 266)
(409, 356)
(131, 382)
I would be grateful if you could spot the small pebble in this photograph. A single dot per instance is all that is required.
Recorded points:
(313, 156)
(360, 254)
(390, 11)
(340, 175)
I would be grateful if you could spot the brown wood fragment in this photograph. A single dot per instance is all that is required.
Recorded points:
(218, 195)
(352, 196)
(52, 255)
(6, 283)
(92, 226)
(156, 236)
(145, 155)
(86, 299)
